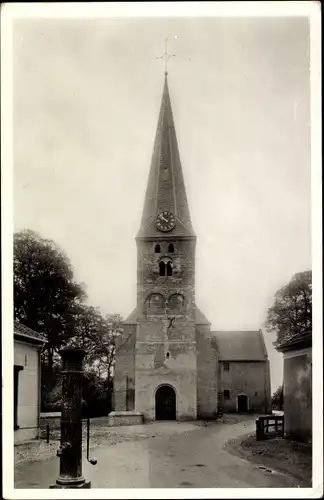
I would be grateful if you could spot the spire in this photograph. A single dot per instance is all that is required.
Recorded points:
(165, 188)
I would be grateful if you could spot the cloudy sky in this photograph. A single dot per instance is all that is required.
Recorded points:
(86, 99)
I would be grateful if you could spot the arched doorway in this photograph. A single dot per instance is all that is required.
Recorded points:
(165, 403)
(242, 403)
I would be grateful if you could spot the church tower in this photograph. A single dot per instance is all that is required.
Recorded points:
(165, 350)
(169, 364)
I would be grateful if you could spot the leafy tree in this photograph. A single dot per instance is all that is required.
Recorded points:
(277, 398)
(47, 299)
(291, 313)
(46, 295)
(97, 334)
(96, 396)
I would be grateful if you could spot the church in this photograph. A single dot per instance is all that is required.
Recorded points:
(169, 364)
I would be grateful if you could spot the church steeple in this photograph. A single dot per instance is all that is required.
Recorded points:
(166, 189)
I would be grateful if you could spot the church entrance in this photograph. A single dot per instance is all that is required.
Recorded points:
(165, 403)
(242, 403)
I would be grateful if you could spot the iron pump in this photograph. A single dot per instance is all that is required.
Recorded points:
(70, 449)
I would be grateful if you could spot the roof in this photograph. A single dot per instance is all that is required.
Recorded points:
(133, 318)
(241, 345)
(23, 332)
(294, 341)
(201, 318)
(165, 188)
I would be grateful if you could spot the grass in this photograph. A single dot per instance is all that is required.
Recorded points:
(284, 455)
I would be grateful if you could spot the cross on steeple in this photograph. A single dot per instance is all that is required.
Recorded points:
(166, 56)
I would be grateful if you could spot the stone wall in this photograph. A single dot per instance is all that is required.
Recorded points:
(250, 378)
(124, 373)
(166, 337)
(183, 259)
(125, 418)
(298, 394)
(154, 369)
(207, 376)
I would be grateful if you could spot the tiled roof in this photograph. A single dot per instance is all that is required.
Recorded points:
(165, 188)
(23, 331)
(241, 345)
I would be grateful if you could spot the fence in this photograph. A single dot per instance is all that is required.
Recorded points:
(269, 426)
(50, 428)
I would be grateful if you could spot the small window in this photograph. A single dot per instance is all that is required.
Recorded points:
(226, 394)
(166, 267)
(162, 268)
(167, 355)
(255, 393)
(171, 248)
(226, 367)
(157, 248)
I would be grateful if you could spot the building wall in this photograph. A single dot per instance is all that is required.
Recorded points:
(207, 374)
(28, 408)
(298, 394)
(166, 338)
(153, 369)
(251, 378)
(124, 372)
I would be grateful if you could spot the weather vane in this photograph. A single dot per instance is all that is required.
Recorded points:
(166, 56)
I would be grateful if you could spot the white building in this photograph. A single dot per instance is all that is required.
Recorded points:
(27, 382)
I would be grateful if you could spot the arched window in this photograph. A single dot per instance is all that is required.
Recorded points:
(166, 267)
(169, 268)
(176, 303)
(154, 304)
(171, 248)
(162, 268)
(157, 248)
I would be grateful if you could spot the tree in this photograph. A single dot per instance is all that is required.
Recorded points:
(277, 398)
(96, 334)
(291, 313)
(46, 294)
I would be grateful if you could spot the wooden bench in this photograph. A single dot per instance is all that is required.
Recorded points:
(269, 426)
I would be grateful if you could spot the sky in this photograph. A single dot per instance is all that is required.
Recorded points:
(86, 98)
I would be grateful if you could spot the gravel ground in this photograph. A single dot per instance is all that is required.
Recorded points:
(284, 455)
(102, 435)
(162, 455)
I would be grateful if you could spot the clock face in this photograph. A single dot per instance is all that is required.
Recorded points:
(165, 221)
